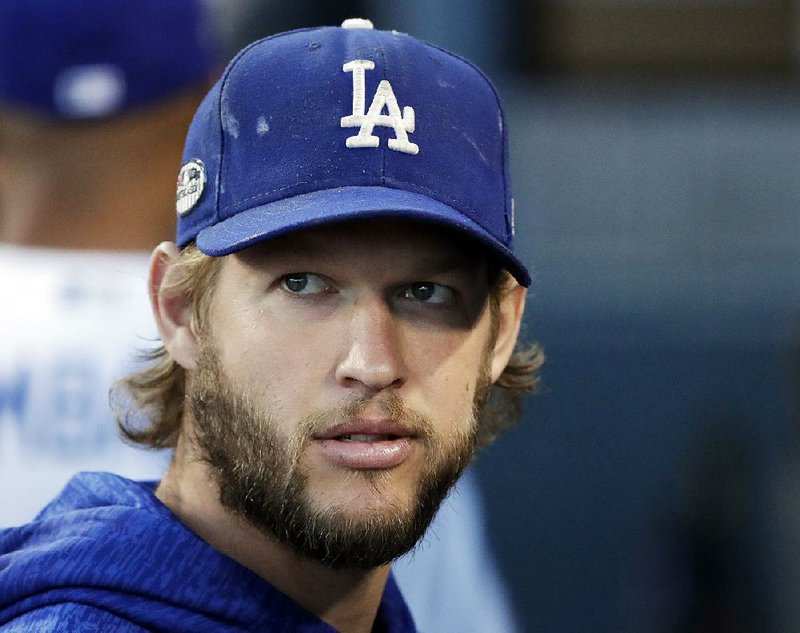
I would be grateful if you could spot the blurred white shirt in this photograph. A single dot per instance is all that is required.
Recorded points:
(70, 325)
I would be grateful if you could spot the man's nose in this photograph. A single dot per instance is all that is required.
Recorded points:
(372, 355)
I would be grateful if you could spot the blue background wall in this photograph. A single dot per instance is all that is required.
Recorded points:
(663, 225)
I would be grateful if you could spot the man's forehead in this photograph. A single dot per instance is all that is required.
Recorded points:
(427, 244)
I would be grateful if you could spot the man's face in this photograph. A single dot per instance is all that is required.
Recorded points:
(337, 386)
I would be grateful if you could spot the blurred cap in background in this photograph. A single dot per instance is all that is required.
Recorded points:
(90, 59)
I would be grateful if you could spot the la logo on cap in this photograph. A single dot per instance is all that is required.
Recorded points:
(403, 124)
(384, 97)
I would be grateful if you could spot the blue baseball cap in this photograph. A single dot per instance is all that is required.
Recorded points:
(87, 59)
(331, 124)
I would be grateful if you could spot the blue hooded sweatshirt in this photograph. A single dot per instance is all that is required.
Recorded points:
(107, 556)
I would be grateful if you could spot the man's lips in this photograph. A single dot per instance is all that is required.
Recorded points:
(367, 444)
(363, 430)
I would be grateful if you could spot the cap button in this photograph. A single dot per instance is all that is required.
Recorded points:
(357, 23)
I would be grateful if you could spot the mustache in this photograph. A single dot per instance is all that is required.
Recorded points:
(389, 406)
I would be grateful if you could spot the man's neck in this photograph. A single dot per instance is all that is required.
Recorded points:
(347, 599)
(108, 185)
(91, 219)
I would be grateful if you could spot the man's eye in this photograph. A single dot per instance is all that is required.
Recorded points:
(429, 292)
(304, 283)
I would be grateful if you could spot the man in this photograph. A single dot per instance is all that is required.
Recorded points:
(455, 562)
(95, 101)
(339, 317)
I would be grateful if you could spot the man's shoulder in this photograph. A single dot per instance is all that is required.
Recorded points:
(108, 556)
(69, 617)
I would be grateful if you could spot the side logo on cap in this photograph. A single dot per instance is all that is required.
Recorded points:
(384, 97)
(191, 182)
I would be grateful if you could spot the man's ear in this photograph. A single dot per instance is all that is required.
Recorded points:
(171, 306)
(512, 305)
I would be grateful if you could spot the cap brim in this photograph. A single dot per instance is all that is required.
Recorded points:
(339, 205)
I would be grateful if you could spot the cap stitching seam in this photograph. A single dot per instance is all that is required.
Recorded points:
(384, 149)
(222, 89)
(504, 135)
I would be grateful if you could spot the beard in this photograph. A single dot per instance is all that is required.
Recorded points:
(261, 478)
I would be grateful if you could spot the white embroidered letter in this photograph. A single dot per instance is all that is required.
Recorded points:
(402, 123)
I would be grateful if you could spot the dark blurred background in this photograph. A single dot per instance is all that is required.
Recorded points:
(654, 485)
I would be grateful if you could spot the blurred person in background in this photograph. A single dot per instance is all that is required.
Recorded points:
(95, 100)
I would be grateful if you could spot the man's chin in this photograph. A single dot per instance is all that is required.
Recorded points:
(363, 532)
(364, 495)
(359, 541)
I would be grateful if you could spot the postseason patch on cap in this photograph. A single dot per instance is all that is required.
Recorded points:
(191, 182)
